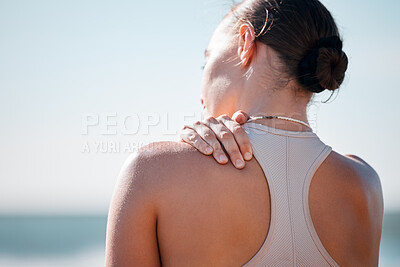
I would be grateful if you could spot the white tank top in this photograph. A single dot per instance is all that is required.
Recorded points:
(289, 160)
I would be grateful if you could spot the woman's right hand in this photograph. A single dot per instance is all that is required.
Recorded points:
(214, 135)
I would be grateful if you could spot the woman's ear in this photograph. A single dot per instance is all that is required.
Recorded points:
(247, 45)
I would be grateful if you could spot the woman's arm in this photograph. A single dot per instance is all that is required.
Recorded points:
(132, 219)
(213, 135)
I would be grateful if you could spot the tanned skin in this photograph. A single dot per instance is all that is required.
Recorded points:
(175, 206)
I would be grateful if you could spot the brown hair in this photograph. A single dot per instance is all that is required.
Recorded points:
(304, 34)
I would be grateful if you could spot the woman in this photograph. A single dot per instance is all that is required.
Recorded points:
(296, 203)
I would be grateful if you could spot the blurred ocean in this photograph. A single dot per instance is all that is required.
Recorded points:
(76, 241)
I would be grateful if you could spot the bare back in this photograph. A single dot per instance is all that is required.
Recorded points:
(205, 214)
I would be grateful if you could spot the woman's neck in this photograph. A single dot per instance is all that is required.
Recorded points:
(280, 102)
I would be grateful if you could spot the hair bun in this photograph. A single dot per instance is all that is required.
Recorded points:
(331, 67)
(324, 66)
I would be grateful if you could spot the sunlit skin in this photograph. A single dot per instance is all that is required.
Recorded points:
(249, 78)
(177, 207)
(226, 89)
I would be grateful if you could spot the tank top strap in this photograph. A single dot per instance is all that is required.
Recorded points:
(306, 209)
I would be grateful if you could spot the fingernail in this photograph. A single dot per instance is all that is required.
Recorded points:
(208, 150)
(247, 156)
(239, 163)
(222, 158)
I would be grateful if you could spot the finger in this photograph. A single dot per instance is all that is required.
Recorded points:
(241, 137)
(240, 117)
(208, 136)
(227, 140)
(190, 136)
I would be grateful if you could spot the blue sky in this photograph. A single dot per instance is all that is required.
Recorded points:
(63, 61)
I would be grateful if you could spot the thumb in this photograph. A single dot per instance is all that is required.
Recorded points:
(240, 117)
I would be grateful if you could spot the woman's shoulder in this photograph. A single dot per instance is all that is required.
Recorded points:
(351, 192)
(162, 165)
(362, 185)
(355, 171)
(355, 175)
(168, 157)
(166, 170)
(159, 159)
